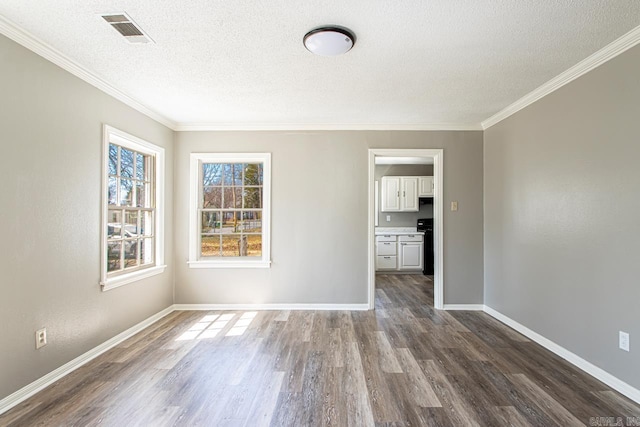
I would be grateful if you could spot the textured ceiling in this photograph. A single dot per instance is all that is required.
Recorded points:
(242, 63)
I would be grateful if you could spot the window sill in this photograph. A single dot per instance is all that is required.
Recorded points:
(116, 282)
(229, 264)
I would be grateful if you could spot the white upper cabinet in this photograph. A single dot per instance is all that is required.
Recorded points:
(409, 199)
(399, 194)
(425, 186)
(390, 194)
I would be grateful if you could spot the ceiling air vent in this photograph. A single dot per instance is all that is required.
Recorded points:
(123, 24)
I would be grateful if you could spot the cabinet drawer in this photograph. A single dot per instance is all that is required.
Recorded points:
(386, 248)
(418, 237)
(385, 262)
(386, 238)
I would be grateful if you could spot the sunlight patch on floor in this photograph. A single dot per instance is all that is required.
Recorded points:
(212, 324)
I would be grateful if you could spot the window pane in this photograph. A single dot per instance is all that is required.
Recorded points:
(253, 174)
(210, 246)
(211, 174)
(126, 192)
(231, 245)
(233, 197)
(232, 174)
(251, 222)
(141, 167)
(130, 224)
(112, 194)
(212, 197)
(237, 173)
(254, 245)
(113, 255)
(253, 198)
(146, 223)
(130, 253)
(113, 159)
(230, 222)
(146, 251)
(211, 222)
(114, 224)
(141, 195)
(126, 163)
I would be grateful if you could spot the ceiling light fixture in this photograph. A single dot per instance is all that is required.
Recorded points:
(329, 40)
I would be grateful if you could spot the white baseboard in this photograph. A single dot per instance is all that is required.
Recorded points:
(220, 307)
(464, 307)
(591, 369)
(53, 376)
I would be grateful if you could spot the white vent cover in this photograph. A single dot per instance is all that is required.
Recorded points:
(123, 24)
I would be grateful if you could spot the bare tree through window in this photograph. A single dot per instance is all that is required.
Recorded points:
(130, 210)
(231, 209)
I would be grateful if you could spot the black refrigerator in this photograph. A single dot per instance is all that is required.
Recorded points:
(425, 225)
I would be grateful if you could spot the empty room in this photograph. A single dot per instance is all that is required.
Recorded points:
(419, 213)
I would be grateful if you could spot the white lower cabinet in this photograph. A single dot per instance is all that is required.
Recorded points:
(386, 262)
(399, 252)
(410, 255)
(386, 252)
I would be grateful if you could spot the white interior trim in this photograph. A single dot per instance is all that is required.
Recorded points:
(50, 53)
(285, 306)
(605, 54)
(591, 369)
(464, 307)
(325, 126)
(53, 376)
(438, 215)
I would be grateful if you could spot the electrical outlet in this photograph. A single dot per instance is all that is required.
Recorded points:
(454, 206)
(388, 218)
(624, 341)
(41, 338)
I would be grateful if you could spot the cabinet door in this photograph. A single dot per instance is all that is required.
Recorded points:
(410, 256)
(409, 195)
(425, 186)
(390, 194)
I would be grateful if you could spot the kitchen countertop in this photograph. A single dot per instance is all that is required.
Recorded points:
(395, 230)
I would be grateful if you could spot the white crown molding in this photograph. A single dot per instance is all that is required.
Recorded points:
(53, 376)
(221, 307)
(605, 54)
(591, 369)
(51, 54)
(184, 127)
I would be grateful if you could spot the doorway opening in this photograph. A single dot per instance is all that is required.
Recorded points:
(399, 186)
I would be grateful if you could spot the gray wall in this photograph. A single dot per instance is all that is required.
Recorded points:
(402, 219)
(319, 216)
(562, 196)
(51, 136)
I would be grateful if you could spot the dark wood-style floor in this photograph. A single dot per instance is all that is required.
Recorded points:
(403, 365)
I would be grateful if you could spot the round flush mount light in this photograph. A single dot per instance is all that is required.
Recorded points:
(329, 40)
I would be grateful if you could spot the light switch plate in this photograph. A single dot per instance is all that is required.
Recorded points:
(454, 206)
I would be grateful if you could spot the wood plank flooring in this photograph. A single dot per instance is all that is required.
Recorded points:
(404, 364)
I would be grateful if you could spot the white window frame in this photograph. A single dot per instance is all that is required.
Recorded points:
(195, 195)
(123, 139)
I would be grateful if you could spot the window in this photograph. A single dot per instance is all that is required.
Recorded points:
(230, 207)
(132, 239)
